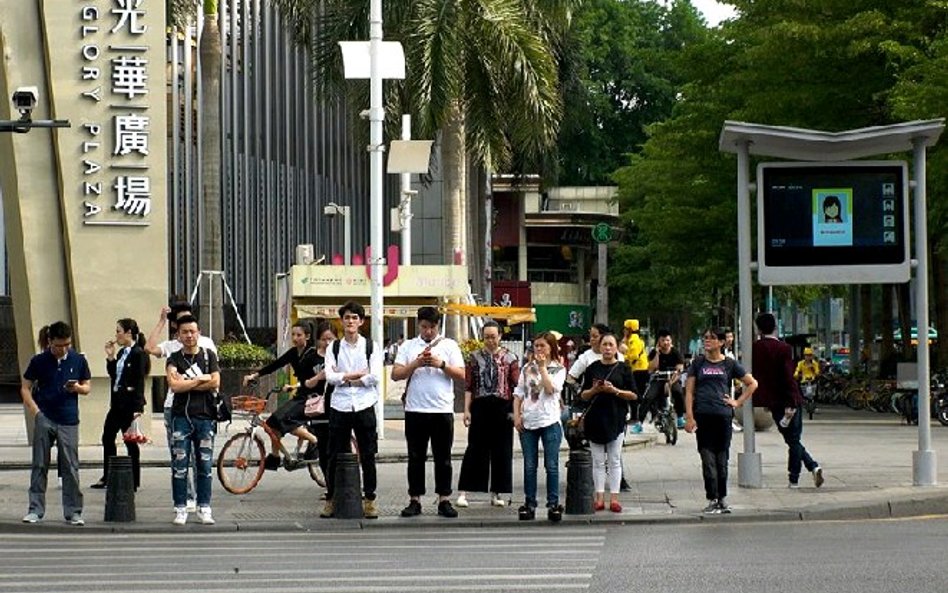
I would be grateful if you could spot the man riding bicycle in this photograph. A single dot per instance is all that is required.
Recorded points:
(808, 369)
(664, 357)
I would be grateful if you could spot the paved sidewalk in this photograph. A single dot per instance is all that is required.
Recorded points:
(867, 459)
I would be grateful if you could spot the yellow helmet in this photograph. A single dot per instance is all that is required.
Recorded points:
(807, 351)
(632, 324)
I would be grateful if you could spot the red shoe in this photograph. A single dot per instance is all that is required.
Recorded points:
(615, 507)
(599, 505)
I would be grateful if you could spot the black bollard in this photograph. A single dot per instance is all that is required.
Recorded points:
(120, 491)
(579, 483)
(347, 496)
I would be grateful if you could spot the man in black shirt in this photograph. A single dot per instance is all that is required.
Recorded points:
(664, 357)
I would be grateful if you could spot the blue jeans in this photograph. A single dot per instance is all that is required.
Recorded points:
(797, 454)
(551, 436)
(168, 431)
(192, 434)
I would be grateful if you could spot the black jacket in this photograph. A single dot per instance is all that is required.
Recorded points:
(129, 394)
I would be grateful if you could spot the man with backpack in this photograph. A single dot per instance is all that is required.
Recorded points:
(349, 364)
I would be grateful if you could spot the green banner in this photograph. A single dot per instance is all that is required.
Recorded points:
(569, 320)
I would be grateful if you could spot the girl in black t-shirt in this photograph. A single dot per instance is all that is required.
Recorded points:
(608, 387)
(290, 417)
(709, 406)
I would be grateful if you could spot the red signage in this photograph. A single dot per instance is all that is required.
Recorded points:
(511, 293)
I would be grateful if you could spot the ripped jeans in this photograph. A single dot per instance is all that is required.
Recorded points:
(188, 433)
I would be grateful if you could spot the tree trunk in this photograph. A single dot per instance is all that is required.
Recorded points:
(212, 313)
(904, 296)
(454, 163)
(454, 160)
(886, 319)
(865, 323)
(940, 285)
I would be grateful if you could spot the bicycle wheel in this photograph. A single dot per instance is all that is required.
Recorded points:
(240, 464)
(315, 472)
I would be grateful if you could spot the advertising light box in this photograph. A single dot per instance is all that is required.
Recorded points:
(833, 223)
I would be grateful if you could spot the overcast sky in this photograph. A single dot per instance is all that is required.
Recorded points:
(713, 11)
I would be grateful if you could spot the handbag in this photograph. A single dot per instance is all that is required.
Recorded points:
(576, 427)
(315, 406)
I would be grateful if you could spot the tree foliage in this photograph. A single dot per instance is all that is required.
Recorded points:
(620, 73)
(821, 64)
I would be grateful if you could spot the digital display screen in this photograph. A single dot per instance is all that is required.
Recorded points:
(834, 215)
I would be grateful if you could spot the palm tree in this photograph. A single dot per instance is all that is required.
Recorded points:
(483, 73)
(212, 301)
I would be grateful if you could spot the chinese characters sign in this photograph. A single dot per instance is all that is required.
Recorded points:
(115, 71)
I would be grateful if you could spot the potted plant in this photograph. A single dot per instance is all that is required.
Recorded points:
(238, 359)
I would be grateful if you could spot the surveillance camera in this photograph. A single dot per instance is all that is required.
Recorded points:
(329, 211)
(24, 100)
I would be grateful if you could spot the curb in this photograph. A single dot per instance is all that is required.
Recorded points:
(916, 507)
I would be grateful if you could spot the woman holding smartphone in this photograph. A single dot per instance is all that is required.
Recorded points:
(608, 387)
(127, 365)
(537, 418)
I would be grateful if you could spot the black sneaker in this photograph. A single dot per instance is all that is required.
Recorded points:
(712, 508)
(527, 513)
(271, 462)
(555, 514)
(446, 510)
(723, 507)
(98, 485)
(624, 486)
(413, 509)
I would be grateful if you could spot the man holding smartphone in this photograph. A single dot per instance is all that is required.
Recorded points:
(59, 375)
(430, 363)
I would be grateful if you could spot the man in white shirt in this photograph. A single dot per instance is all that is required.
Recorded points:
(431, 363)
(349, 364)
(164, 349)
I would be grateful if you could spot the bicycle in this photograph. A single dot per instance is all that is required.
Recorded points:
(666, 422)
(809, 389)
(240, 465)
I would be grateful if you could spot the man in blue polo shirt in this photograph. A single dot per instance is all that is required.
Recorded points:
(51, 386)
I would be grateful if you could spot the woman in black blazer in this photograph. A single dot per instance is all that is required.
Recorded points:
(128, 365)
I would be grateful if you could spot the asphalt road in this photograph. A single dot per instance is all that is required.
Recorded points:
(722, 555)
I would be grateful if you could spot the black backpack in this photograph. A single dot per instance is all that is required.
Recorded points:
(369, 348)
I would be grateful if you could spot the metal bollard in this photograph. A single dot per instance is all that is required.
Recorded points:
(347, 496)
(120, 491)
(579, 483)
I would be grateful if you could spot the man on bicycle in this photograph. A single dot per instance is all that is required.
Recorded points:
(352, 408)
(665, 357)
(808, 369)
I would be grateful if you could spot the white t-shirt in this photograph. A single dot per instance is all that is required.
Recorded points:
(169, 347)
(545, 409)
(585, 359)
(430, 390)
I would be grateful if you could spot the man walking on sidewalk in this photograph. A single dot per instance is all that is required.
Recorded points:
(430, 363)
(51, 386)
(349, 364)
(778, 391)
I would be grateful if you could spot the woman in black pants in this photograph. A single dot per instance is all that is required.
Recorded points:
(710, 408)
(127, 365)
(306, 360)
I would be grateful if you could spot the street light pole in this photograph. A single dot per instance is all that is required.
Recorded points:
(376, 118)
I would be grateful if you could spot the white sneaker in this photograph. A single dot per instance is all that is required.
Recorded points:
(497, 501)
(191, 506)
(818, 476)
(462, 502)
(204, 516)
(736, 427)
(77, 520)
(180, 516)
(31, 518)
